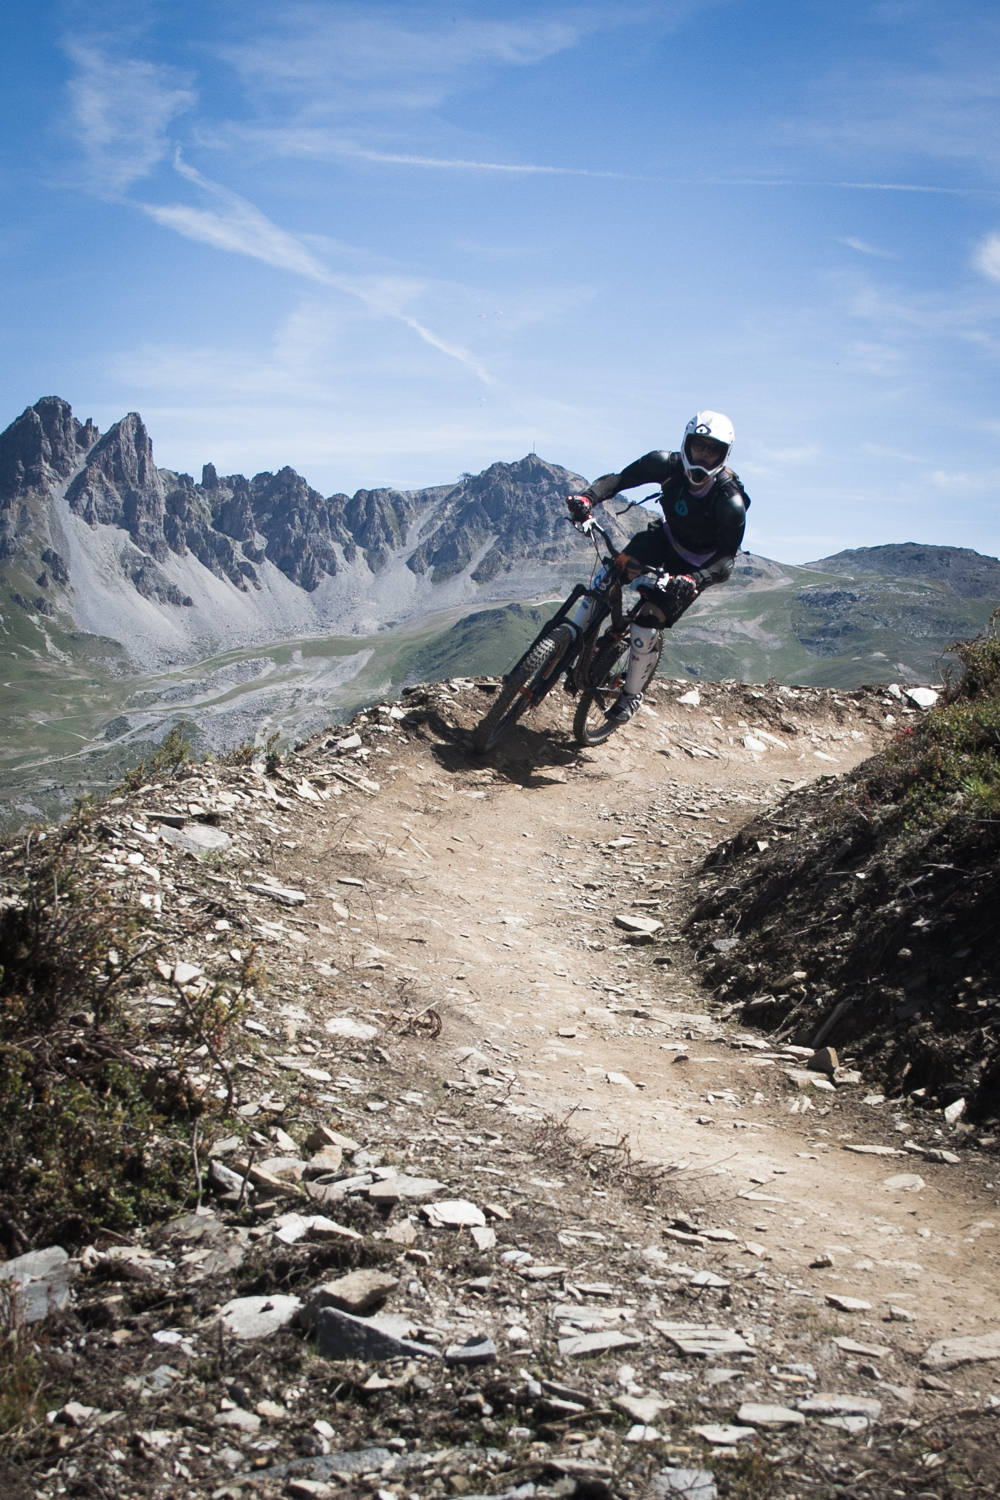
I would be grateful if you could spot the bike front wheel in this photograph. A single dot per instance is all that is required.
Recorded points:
(591, 726)
(529, 681)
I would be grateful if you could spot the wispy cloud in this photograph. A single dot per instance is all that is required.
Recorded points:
(238, 226)
(987, 257)
(866, 249)
(418, 55)
(119, 112)
(524, 169)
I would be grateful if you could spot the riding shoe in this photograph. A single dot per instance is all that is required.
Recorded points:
(624, 707)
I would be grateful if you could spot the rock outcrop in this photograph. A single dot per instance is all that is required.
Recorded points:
(41, 449)
(121, 486)
(968, 574)
(487, 524)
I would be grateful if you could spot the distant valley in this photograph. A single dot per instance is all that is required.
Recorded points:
(134, 599)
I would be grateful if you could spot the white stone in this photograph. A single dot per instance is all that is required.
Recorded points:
(360, 1031)
(689, 1484)
(454, 1213)
(750, 742)
(851, 1346)
(948, 1354)
(279, 893)
(597, 1343)
(244, 1421)
(258, 1317)
(826, 1404)
(874, 1150)
(621, 1080)
(904, 1182)
(954, 1112)
(923, 697)
(702, 1339)
(693, 697)
(643, 1409)
(847, 1304)
(758, 1414)
(726, 1437)
(630, 923)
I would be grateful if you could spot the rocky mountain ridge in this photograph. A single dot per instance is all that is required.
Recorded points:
(124, 539)
(967, 573)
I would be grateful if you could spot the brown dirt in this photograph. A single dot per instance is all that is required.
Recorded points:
(622, 1094)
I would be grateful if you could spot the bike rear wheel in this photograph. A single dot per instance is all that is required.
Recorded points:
(528, 681)
(604, 683)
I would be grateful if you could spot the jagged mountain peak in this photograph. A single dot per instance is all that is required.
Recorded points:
(126, 526)
(42, 447)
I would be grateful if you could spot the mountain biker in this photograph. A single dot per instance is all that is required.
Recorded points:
(704, 516)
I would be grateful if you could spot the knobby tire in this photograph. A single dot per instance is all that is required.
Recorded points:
(604, 683)
(518, 691)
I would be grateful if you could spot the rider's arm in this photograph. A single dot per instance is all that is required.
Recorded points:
(730, 519)
(652, 468)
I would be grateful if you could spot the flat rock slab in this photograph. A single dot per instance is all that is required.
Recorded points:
(725, 1437)
(357, 1293)
(948, 1354)
(43, 1279)
(340, 1335)
(828, 1405)
(759, 1414)
(454, 1213)
(362, 1461)
(259, 1317)
(392, 1189)
(243, 1421)
(645, 1409)
(698, 1339)
(359, 1031)
(622, 1080)
(34, 1265)
(478, 1350)
(631, 923)
(874, 1150)
(689, 1484)
(847, 1424)
(847, 1304)
(597, 1343)
(283, 895)
(851, 1346)
(195, 838)
(904, 1182)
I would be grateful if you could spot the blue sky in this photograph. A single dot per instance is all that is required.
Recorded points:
(389, 243)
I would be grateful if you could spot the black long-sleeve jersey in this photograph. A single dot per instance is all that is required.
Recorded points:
(707, 530)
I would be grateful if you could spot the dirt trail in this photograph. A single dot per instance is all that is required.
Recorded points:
(494, 891)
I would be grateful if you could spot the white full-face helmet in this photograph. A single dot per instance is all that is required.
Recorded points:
(711, 426)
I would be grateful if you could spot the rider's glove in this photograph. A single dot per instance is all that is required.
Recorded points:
(680, 592)
(579, 507)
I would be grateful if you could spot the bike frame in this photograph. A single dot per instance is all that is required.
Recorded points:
(609, 599)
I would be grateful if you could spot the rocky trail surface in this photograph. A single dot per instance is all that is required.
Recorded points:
(510, 1199)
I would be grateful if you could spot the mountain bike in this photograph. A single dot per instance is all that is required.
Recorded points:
(590, 663)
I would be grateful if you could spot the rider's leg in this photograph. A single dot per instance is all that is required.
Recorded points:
(644, 653)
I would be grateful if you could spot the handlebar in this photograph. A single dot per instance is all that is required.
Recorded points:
(590, 525)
